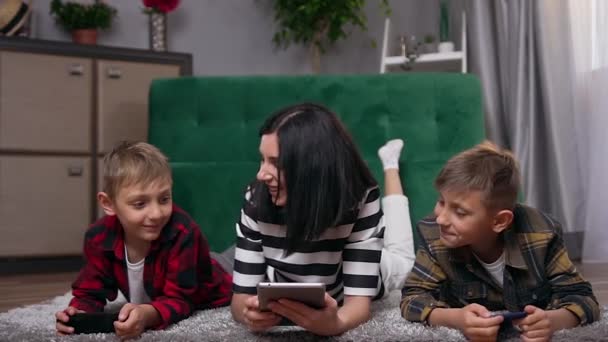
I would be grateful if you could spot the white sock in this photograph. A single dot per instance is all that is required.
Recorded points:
(389, 154)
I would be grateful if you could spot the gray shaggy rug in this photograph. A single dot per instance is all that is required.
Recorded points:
(37, 323)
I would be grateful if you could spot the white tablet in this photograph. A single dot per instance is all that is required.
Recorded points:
(311, 294)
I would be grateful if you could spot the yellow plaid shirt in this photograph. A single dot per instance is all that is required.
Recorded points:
(537, 272)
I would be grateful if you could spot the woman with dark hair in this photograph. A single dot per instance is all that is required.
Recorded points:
(313, 215)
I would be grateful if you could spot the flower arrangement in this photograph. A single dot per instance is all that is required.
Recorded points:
(160, 6)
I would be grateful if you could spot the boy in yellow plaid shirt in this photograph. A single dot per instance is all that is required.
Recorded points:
(482, 252)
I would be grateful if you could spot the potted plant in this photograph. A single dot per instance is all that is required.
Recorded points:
(83, 20)
(318, 23)
(429, 44)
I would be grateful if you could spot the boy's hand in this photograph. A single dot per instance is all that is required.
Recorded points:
(257, 320)
(477, 324)
(64, 317)
(323, 321)
(131, 322)
(536, 326)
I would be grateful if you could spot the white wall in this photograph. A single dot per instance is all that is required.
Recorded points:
(234, 37)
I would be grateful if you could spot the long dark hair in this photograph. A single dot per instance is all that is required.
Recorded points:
(324, 172)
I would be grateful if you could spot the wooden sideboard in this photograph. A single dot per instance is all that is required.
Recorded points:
(62, 107)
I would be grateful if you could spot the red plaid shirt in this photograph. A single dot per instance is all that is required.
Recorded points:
(179, 274)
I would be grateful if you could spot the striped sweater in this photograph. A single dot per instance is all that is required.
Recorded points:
(346, 258)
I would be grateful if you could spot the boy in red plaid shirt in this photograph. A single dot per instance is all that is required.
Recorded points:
(146, 247)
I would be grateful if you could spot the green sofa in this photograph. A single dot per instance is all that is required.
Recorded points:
(208, 126)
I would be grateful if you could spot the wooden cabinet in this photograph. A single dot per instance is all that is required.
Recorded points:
(62, 107)
(44, 204)
(123, 99)
(40, 94)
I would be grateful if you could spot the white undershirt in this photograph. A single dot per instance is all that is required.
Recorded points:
(496, 269)
(135, 272)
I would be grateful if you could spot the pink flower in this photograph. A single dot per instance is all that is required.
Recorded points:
(163, 6)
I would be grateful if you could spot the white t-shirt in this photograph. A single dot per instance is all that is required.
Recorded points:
(135, 272)
(496, 269)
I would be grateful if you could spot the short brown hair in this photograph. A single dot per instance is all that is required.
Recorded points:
(486, 168)
(133, 163)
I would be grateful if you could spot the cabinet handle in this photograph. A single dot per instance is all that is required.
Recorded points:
(114, 73)
(75, 171)
(76, 69)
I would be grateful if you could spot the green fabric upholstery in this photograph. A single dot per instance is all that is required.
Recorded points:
(208, 127)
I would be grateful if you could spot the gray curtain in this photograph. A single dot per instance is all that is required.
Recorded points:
(523, 59)
(596, 234)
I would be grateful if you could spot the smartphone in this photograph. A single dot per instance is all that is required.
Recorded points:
(510, 315)
(311, 294)
(92, 322)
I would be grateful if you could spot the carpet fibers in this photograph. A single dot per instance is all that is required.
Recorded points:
(36, 323)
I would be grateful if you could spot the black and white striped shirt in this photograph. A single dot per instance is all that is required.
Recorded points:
(345, 258)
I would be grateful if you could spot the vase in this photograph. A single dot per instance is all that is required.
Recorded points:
(445, 47)
(158, 31)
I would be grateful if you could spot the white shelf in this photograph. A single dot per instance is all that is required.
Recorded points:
(460, 56)
(426, 58)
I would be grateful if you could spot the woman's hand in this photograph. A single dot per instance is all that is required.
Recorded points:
(255, 319)
(325, 321)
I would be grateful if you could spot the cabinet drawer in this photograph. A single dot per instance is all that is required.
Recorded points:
(45, 102)
(123, 99)
(44, 204)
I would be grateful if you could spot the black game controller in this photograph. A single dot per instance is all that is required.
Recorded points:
(92, 322)
(510, 315)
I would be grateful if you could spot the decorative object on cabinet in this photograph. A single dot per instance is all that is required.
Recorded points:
(436, 61)
(318, 24)
(64, 106)
(428, 44)
(83, 20)
(157, 11)
(445, 45)
(158, 31)
(14, 15)
(410, 48)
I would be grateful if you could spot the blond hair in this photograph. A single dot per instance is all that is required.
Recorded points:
(133, 163)
(486, 168)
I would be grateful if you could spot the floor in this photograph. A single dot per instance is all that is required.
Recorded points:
(24, 289)
(19, 290)
(597, 275)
